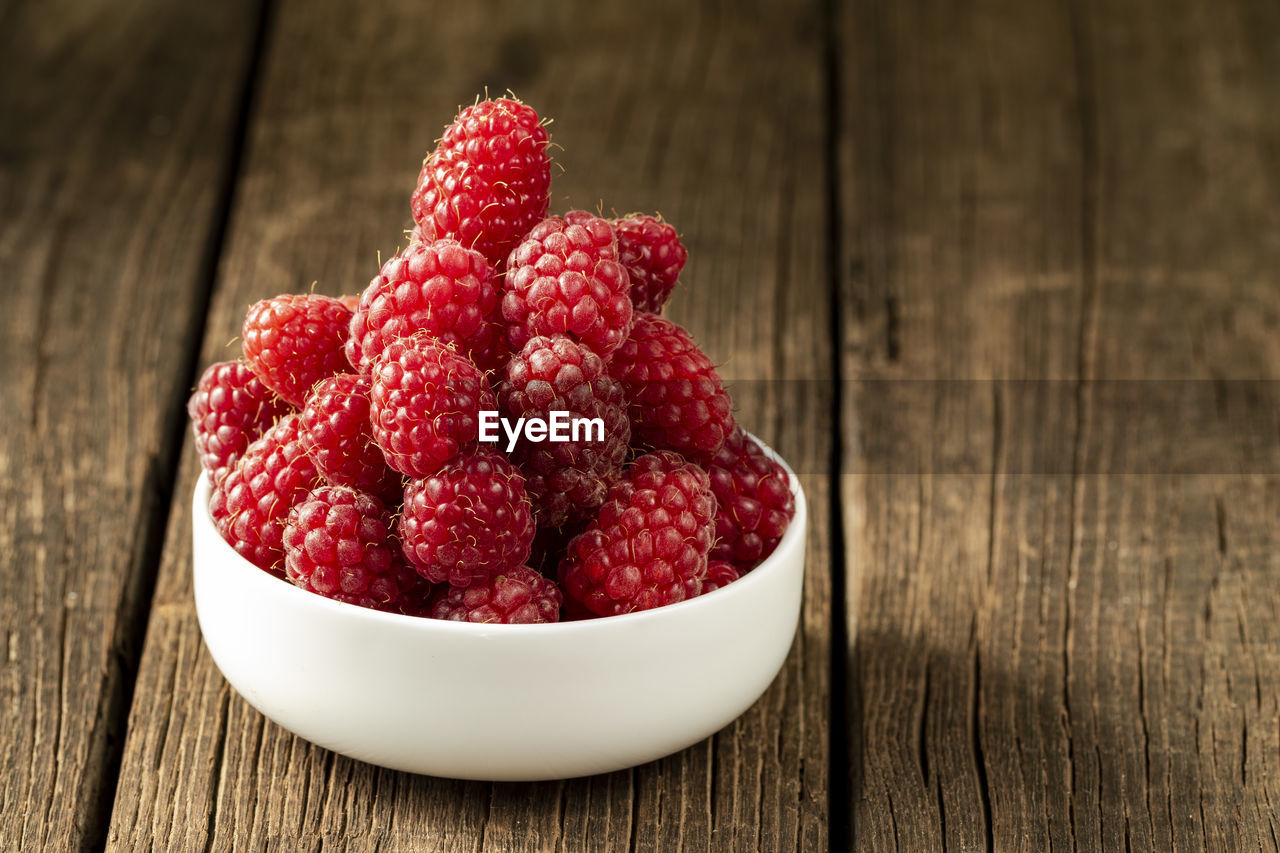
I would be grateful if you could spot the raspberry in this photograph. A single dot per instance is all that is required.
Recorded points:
(336, 544)
(573, 610)
(336, 432)
(502, 131)
(230, 408)
(250, 503)
(489, 180)
(550, 544)
(418, 598)
(652, 252)
(295, 340)
(566, 480)
(351, 301)
(468, 520)
(512, 596)
(440, 288)
(425, 404)
(755, 503)
(719, 574)
(565, 277)
(677, 400)
(649, 545)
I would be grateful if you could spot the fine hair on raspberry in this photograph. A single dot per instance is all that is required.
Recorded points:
(488, 181)
(337, 543)
(565, 277)
(648, 547)
(651, 251)
(425, 403)
(567, 481)
(295, 340)
(677, 399)
(754, 499)
(468, 520)
(229, 409)
(438, 287)
(250, 503)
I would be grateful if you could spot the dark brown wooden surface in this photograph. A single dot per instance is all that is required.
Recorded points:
(117, 128)
(1000, 279)
(1066, 588)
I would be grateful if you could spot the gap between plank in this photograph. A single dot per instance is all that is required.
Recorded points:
(839, 756)
(162, 478)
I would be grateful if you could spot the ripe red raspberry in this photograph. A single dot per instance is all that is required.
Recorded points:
(336, 432)
(350, 300)
(566, 480)
(337, 544)
(549, 546)
(230, 408)
(719, 574)
(573, 610)
(418, 598)
(755, 503)
(295, 340)
(489, 180)
(565, 277)
(440, 288)
(652, 252)
(677, 400)
(649, 545)
(250, 503)
(512, 596)
(503, 131)
(425, 404)
(467, 520)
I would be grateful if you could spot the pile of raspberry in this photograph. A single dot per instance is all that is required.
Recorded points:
(343, 447)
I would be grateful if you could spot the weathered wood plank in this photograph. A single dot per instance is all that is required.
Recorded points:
(118, 129)
(118, 124)
(1065, 582)
(671, 110)
(1184, 262)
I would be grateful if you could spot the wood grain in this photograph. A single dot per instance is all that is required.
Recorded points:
(118, 128)
(673, 110)
(1063, 612)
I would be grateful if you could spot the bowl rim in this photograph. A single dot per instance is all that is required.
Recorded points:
(249, 573)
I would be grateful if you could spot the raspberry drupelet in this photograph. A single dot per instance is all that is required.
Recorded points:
(440, 288)
(488, 181)
(468, 520)
(513, 596)
(230, 408)
(651, 251)
(425, 404)
(719, 574)
(677, 399)
(567, 481)
(295, 340)
(649, 545)
(250, 503)
(337, 544)
(566, 278)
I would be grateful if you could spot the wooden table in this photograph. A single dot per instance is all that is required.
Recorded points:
(1002, 280)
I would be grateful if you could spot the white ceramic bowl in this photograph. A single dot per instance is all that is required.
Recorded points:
(496, 702)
